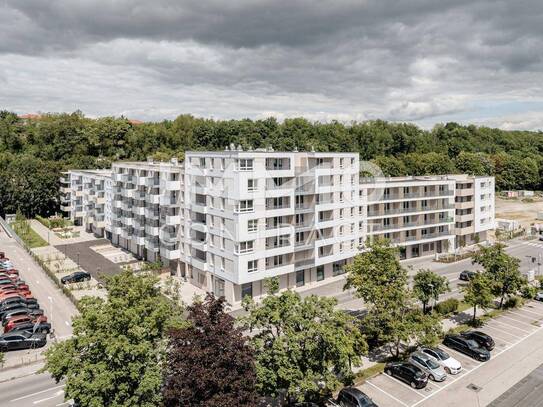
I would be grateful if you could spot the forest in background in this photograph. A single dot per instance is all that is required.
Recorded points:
(33, 152)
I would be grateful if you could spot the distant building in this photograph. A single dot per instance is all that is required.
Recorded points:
(228, 220)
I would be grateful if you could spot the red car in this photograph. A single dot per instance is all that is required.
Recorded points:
(10, 271)
(22, 319)
(7, 287)
(11, 293)
(12, 277)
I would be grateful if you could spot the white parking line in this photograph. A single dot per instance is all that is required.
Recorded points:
(502, 331)
(387, 393)
(58, 393)
(509, 325)
(500, 338)
(520, 322)
(403, 384)
(530, 318)
(477, 367)
(38, 392)
(530, 312)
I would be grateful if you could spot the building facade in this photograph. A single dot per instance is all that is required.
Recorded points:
(228, 220)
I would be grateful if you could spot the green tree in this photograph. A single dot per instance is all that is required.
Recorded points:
(503, 269)
(304, 346)
(115, 356)
(379, 279)
(428, 285)
(478, 292)
(209, 363)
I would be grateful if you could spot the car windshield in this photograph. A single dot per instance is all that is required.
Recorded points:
(441, 354)
(431, 364)
(472, 343)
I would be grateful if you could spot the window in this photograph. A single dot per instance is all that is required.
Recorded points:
(202, 162)
(341, 197)
(320, 273)
(252, 266)
(300, 236)
(247, 290)
(245, 164)
(245, 206)
(222, 264)
(222, 243)
(218, 290)
(251, 185)
(252, 225)
(222, 163)
(245, 247)
(300, 278)
(223, 204)
(274, 261)
(300, 219)
(341, 162)
(341, 213)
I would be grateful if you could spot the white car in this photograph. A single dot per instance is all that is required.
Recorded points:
(539, 296)
(450, 364)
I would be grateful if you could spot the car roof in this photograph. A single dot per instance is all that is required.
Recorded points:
(421, 355)
(24, 333)
(354, 391)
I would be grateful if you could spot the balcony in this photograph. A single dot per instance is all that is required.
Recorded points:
(303, 264)
(152, 230)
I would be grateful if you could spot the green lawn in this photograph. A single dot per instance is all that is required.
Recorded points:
(29, 236)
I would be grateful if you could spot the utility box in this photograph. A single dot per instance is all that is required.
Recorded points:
(530, 275)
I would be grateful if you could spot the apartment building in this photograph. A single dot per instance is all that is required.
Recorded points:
(474, 209)
(228, 220)
(86, 199)
(146, 209)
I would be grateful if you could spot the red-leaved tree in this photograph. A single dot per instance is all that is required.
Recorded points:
(209, 361)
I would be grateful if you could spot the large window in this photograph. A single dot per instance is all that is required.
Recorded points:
(218, 288)
(252, 225)
(245, 206)
(320, 273)
(251, 185)
(252, 266)
(245, 164)
(247, 290)
(300, 278)
(245, 247)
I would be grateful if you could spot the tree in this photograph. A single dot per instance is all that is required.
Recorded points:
(116, 354)
(305, 347)
(428, 285)
(392, 319)
(478, 292)
(209, 361)
(503, 270)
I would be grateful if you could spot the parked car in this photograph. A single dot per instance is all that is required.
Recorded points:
(466, 346)
(43, 327)
(429, 366)
(408, 373)
(466, 275)
(450, 364)
(352, 397)
(481, 338)
(76, 277)
(20, 311)
(21, 340)
(539, 296)
(7, 287)
(14, 321)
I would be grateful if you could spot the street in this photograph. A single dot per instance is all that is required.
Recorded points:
(35, 390)
(57, 307)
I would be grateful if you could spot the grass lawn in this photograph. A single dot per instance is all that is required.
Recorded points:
(29, 236)
(369, 372)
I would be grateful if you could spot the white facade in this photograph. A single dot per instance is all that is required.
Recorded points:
(228, 220)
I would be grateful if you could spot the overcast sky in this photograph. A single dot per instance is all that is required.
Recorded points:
(423, 61)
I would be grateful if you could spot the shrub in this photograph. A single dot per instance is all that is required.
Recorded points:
(513, 302)
(528, 291)
(447, 307)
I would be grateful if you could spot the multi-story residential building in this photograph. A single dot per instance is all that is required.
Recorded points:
(86, 199)
(228, 220)
(146, 213)
(474, 209)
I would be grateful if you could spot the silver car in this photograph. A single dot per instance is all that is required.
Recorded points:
(434, 371)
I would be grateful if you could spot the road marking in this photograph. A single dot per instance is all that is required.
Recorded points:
(531, 312)
(530, 318)
(477, 367)
(517, 321)
(58, 393)
(39, 392)
(67, 323)
(63, 404)
(387, 393)
(469, 358)
(500, 338)
(510, 326)
(403, 384)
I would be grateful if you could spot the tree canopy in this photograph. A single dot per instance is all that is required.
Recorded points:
(57, 142)
(116, 354)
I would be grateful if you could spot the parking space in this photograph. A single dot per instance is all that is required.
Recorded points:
(508, 331)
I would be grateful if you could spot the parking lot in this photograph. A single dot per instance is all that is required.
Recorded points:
(508, 331)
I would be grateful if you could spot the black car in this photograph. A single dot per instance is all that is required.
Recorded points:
(20, 311)
(76, 277)
(466, 275)
(11, 300)
(481, 338)
(28, 302)
(352, 397)
(467, 347)
(4, 309)
(43, 327)
(21, 340)
(408, 373)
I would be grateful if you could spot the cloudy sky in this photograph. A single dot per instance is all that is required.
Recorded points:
(423, 61)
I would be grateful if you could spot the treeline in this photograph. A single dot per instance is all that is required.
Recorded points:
(34, 152)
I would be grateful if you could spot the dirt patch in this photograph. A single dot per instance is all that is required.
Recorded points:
(524, 212)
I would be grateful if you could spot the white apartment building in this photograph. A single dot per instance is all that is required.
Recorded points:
(146, 214)
(228, 220)
(86, 199)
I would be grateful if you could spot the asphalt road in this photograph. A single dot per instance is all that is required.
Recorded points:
(36, 390)
(57, 307)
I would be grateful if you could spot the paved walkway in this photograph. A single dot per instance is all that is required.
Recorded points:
(50, 236)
